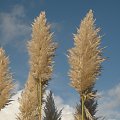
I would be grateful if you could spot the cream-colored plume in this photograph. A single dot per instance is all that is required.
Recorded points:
(41, 49)
(28, 101)
(85, 57)
(6, 83)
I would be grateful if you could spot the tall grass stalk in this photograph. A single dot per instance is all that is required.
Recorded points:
(41, 50)
(82, 107)
(85, 58)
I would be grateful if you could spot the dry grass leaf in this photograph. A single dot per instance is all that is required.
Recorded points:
(88, 115)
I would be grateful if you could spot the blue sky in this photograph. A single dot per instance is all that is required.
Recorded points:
(16, 17)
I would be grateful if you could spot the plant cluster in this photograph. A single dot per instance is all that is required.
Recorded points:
(85, 60)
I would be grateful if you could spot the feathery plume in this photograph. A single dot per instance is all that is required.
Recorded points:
(85, 57)
(28, 101)
(6, 80)
(41, 50)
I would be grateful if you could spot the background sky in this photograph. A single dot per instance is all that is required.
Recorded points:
(16, 17)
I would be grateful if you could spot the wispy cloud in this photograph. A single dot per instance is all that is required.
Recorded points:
(109, 104)
(14, 30)
(56, 26)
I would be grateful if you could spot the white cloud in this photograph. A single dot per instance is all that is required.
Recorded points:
(109, 104)
(13, 28)
(10, 111)
(67, 112)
